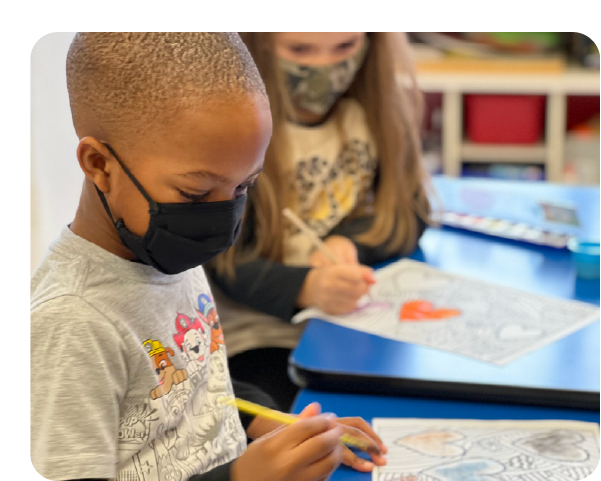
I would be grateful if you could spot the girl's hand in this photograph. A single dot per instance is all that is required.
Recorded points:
(342, 247)
(358, 428)
(308, 450)
(335, 289)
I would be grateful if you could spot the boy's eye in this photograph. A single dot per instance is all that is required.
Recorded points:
(194, 197)
(242, 189)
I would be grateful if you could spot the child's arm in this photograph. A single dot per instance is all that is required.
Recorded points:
(280, 290)
(269, 287)
(370, 255)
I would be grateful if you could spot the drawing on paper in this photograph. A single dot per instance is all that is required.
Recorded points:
(469, 450)
(421, 311)
(416, 303)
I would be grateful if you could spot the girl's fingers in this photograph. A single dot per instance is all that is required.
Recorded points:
(318, 259)
(354, 274)
(337, 306)
(358, 287)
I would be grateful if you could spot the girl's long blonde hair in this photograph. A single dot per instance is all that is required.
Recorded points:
(385, 87)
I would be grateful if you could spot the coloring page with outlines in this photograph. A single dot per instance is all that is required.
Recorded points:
(416, 303)
(472, 450)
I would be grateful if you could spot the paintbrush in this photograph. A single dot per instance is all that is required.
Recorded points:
(312, 236)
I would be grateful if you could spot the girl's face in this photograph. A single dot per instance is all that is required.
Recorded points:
(319, 68)
(317, 49)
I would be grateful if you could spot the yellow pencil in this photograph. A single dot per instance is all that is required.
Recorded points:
(258, 410)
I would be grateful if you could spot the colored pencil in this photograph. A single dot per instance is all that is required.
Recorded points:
(258, 410)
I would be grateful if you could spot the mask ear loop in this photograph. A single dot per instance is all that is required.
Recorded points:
(105, 204)
(154, 207)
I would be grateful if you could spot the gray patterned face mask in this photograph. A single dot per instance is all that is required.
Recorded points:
(316, 89)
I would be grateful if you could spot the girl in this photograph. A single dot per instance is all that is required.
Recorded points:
(345, 156)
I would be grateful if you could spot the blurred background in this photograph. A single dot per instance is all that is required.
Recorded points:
(513, 106)
(520, 106)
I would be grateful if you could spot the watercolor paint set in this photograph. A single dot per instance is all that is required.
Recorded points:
(507, 229)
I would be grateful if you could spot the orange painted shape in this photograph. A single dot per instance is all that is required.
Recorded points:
(415, 311)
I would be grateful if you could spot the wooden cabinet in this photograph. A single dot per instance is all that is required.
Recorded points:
(555, 86)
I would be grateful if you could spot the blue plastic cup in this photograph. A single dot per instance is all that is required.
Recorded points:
(586, 258)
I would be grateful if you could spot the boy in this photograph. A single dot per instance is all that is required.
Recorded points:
(126, 382)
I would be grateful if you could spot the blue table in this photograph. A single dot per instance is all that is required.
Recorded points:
(566, 373)
(370, 406)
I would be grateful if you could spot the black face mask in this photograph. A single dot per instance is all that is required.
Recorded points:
(181, 236)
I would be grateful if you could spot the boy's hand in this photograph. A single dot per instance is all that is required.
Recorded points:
(335, 289)
(358, 428)
(261, 426)
(307, 450)
(342, 247)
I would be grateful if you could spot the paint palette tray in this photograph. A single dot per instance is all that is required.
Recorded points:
(519, 231)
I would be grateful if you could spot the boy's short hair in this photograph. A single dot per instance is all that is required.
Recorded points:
(122, 82)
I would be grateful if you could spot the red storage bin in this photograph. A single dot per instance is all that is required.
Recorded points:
(504, 119)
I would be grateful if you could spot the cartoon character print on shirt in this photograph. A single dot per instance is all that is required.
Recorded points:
(191, 340)
(166, 372)
(195, 431)
(329, 191)
(207, 312)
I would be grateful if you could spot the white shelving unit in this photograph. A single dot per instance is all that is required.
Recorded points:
(556, 87)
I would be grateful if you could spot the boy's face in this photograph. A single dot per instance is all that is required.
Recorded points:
(205, 155)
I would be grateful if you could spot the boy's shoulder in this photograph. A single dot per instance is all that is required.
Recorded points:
(76, 272)
(61, 273)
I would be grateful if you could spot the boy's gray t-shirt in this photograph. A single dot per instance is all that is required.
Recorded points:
(128, 367)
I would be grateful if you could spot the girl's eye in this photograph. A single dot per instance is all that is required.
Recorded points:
(346, 46)
(299, 48)
(194, 197)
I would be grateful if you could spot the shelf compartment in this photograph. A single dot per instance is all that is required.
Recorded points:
(514, 153)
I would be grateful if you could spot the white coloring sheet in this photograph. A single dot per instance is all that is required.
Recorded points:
(416, 303)
(470, 450)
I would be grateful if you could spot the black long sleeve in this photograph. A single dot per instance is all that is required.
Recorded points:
(369, 255)
(269, 287)
(251, 393)
(272, 287)
(220, 473)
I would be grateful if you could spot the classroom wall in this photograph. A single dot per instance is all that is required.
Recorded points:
(56, 178)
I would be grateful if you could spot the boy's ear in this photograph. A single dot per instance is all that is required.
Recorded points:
(93, 156)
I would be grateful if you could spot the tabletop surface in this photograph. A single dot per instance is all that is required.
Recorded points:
(571, 363)
(368, 407)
